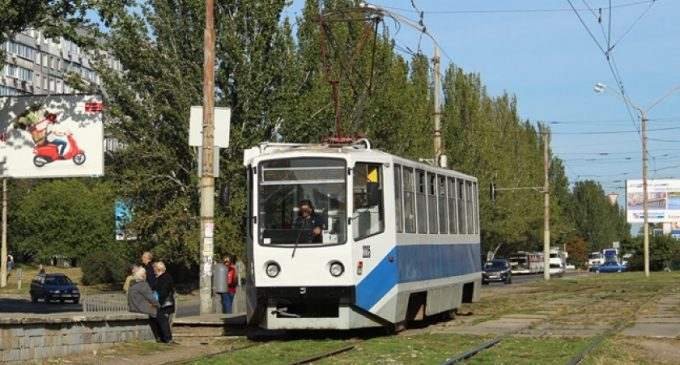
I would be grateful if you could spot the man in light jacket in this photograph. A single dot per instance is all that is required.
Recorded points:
(142, 300)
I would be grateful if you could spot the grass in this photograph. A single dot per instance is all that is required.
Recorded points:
(519, 351)
(603, 299)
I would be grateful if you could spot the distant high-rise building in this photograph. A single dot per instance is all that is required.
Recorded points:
(35, 64)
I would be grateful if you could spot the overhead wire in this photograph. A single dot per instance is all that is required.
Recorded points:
(519, 11)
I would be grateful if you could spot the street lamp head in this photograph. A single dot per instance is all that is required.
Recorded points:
(599, 88)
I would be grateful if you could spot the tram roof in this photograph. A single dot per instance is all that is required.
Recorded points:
(273, 149)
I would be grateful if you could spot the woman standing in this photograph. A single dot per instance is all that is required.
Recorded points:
(142, 300)
(165, 288)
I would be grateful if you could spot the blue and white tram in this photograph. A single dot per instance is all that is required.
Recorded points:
(389, 240)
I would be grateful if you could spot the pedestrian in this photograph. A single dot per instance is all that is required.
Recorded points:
(232, 283)
(165, 288)
(130, 278)
(41, 270)
(10, 264)
(141, 300)
(147, 263)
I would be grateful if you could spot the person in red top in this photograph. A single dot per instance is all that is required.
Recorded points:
(232, 282)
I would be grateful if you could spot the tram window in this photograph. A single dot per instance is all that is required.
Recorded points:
(368, 218)
(409, 201)
(399, 212)
(285, 184)
(475, 204)
(432, 202)
(470, 211)
(421, 201)
(462, 228)
(441, 192)
(453, 225)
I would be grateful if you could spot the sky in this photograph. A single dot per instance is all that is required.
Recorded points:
(551, 63)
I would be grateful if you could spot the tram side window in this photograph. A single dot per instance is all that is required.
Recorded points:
(441, 192)
(470, 210)
(475, 195)
(368, 217)
(453, 225)
(421, 202)
(462, 228)
(432, 202)
(398, 210)
(409, 201)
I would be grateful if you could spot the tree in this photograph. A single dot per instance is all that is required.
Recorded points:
(599, 222)
(67, 217)
(577, 249)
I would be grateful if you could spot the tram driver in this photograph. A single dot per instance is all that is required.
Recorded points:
(308, 222)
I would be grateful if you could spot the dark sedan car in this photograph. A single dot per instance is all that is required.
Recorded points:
(50, 287)
(497, 270)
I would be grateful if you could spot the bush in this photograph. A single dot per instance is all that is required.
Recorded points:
(104, 266)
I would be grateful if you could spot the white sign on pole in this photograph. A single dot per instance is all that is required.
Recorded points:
(51, 136)
(222, 123)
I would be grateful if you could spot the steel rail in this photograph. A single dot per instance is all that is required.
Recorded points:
(474, 351)
(324, 355)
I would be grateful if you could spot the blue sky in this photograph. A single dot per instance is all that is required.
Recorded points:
(550, 62)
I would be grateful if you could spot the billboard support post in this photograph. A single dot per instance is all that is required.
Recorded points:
(3, 255)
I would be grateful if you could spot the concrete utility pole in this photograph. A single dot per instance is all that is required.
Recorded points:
(437, 109)
(546, 206)
(207, 183)
(645, 160)
(3, 254)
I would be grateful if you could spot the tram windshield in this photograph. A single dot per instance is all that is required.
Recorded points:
(302, 201)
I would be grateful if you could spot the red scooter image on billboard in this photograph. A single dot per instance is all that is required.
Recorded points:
(49, 152)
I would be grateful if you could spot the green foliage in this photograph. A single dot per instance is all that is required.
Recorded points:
(598, 221)
(68, 217)
(105, 264)
(664, 252)
(277, 85)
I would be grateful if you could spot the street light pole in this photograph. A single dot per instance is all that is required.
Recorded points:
(207, 183)
(546, 206)
(645, 159)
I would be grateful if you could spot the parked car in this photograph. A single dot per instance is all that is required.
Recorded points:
(611, 266)
(497, 270)
(50, 287)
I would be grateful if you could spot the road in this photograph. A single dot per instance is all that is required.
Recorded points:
(521, 279)
(14, 305)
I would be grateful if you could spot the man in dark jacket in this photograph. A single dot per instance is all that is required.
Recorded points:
(165, 288)
(309, 224)
(142, 300)
(147, 263)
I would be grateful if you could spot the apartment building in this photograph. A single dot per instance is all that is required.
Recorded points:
(35, 64)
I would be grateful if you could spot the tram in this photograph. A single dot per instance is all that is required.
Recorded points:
(345, 236)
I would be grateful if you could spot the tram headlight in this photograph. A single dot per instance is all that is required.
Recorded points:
(336, 269)
(273, 269)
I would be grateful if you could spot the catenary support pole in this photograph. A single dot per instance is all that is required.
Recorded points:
(437, 109)
(645, 203)
(546, 206)
(3, 254)
(207, 182)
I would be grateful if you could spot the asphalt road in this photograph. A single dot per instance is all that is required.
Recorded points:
(521, 279)
(14, 305)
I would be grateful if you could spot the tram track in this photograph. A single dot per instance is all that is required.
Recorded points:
(324, 355)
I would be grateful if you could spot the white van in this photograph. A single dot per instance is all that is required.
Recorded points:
(557, 262)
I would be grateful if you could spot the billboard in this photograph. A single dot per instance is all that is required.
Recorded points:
(51, 136)
(663, 201)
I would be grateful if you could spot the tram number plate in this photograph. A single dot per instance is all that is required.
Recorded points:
(367, 252)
